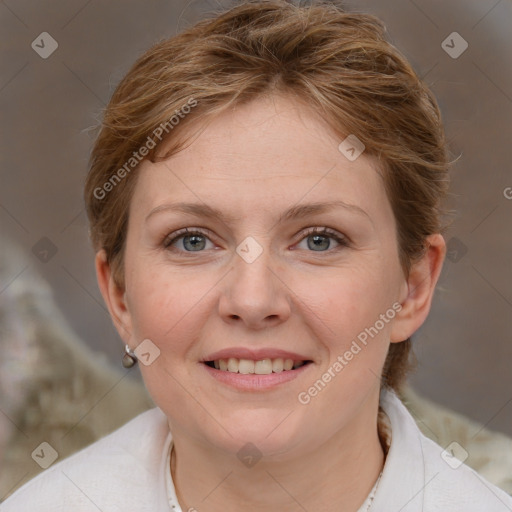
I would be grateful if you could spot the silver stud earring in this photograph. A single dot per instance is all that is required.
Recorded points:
(129, 358)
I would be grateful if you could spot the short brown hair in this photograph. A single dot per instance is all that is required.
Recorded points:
(340, 63)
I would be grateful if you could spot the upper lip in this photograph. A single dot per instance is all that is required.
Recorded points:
(255, 354)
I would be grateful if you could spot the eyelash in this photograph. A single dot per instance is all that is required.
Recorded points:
(170, 239)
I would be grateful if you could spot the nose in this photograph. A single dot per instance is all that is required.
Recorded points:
(254, 293)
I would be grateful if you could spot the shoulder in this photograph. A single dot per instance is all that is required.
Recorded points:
(119, 470)
(419, 475)
(489, 452)
(452, 483)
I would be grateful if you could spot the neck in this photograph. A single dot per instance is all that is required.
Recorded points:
(336, 476)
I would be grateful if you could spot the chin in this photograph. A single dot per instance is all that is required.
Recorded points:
(261, 430)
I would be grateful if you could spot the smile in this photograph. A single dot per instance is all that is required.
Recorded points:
(257, 367)
(260, 375)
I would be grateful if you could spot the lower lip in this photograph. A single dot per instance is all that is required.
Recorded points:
(253, 382)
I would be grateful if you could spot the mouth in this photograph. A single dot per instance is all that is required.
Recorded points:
(256, 367)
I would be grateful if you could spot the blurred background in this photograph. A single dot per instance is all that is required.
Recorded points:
(61, 61)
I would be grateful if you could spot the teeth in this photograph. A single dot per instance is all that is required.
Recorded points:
(277, 365)
(232, 365)
(261, 367)
(245, 366)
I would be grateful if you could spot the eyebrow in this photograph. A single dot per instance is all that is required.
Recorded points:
(295, 212)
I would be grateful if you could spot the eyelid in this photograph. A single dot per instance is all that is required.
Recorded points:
(324, 231)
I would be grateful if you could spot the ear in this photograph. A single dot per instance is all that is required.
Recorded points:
(419, 290)
(114, 297)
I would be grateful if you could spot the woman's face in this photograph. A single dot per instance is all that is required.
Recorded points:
(255, 281)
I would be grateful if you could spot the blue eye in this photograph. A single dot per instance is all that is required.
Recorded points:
(320, 239)
(195, 240)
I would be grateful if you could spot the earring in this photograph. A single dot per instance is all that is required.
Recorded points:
(129, 358)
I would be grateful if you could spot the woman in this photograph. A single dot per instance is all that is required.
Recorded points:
(265, 202)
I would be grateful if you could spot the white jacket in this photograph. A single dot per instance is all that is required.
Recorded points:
(128, 471)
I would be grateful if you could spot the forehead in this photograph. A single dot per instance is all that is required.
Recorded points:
(262, 154)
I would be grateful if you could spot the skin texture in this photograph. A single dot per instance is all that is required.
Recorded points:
(253, 163)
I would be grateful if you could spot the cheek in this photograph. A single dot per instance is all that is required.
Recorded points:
(167, 308)
(165, 304)
(345, 302)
